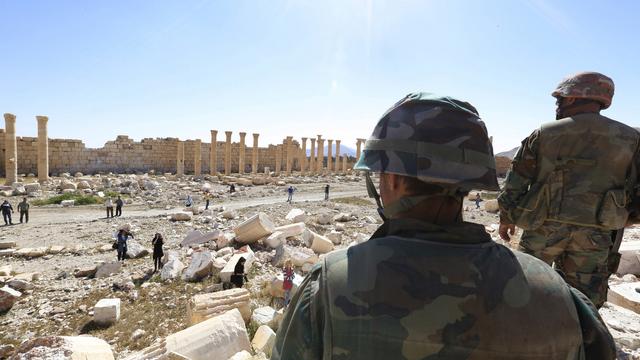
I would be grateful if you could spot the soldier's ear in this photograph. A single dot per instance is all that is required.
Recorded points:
(568, 101)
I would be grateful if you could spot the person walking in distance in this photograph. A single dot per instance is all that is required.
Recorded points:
(290, 191)
(573, 184)
(7, 209)
(157, 243)
(478, 200)
(427, 284)
(23, 209)
(207, 198)
(109, 205)
(123, 236)
(119, 204)
(326, 192)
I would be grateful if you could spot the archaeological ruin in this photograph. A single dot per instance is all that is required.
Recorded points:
(44, 157)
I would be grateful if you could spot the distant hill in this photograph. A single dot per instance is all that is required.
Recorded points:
(510, 154)
(343, 150)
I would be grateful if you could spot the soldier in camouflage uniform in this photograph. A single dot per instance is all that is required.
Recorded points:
(570, 185)
(428, 285)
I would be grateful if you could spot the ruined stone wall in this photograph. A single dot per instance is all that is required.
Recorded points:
(124, 155)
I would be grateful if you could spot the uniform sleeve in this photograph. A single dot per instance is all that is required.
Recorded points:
(524, 169)
(597, 340)
(300, 334)
(634, 207)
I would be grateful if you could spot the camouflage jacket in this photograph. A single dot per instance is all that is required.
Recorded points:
(575, 171)
(421, 291)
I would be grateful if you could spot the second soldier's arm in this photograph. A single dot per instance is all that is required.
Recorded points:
(634, 206)
(300, 334)
(524, 169)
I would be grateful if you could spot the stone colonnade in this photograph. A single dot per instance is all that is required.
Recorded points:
(290, 153)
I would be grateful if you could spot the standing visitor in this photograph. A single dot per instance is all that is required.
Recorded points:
(189, 201)
(238, 278)
(7, 209)
(287, 283)
(23, 209)
(157, 243)
(119, 204)
(207, 198)
(478, 199)
(232, 188)
(123, 236)
(326, 192)
(109, 205)
(290, 191)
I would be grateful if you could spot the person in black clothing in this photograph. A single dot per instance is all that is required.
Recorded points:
(326, 192)
(7, 209)
(232, 188)
(119, 204)
(238, 278)
(157, 243)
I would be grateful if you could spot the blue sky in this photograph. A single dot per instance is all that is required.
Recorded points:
(180, 68)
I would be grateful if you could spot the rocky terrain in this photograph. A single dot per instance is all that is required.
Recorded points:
(61, 278)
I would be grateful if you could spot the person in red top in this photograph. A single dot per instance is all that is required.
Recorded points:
(287, 284)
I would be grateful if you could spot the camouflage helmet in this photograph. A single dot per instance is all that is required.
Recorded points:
(587, 85)
(436, 139)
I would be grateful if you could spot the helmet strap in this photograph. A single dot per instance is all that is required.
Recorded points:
(373, 193)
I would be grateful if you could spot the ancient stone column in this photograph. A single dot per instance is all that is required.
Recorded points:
(312, 157)
(43, 149)
(320, 156)
(337, 166)
(197, 158)
(242, 149)
(303, 163)
(11, 149)
(227, 153)
(289, 145)
(213, 155)
(344, 163)
(278, 159)
(359, 143)
(254, 154)
(180, 159)
(329, 155)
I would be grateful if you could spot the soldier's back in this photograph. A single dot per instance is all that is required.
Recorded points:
(451, 292)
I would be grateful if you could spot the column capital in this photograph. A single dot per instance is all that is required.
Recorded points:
(319, 137)
(362, 140)
(255, 135)
(304, 139)
(214, 132)
(329, 141)
(9, 117)
(242, 134)
(313, 141)
(289, 138)
(338, 141)
(42, 119)
(228, 133)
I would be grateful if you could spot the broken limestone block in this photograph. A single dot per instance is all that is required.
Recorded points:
(292, 230)
(242, 355)
(254, 229)
(264, 316)
(204, 306)
(7, 252)
(318, 243)
(343, 217)
(106, 312)
(626, 295)
(229, 214)
(193, 237)
(108, 269)
(171, 270)
(67, 203)
(32, 187)
(296, 215)
(5, 270)
(135, 250)
(8, 297)
(181, 216)
(335, 237)
(244, 252)
(65, 347)
(201, 266)
(7, 244)
(263, 340)
(630, 258)
(31, 252)
(56, 249)
(276, 289)
(300, 256)
(491, 206)
(88, 271)
(223, 335)
(623, 324)
(20, 285)
(30, 276)
(323, 219)
(276, 239)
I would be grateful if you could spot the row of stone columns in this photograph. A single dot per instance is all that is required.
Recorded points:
(11, 149)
